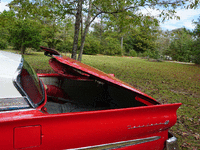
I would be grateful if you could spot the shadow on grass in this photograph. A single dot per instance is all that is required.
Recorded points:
(34, 53)
(44, 71)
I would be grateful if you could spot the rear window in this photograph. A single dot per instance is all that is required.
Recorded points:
(31, 84)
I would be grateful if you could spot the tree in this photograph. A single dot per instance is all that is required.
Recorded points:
(7, 19)
(65, 34)
(142, 38)
(50, 35)
(181, 45)
(196, 45)
(93, 9)
(121, 23)
(77, 28)
(92, 45)
(119, 6)
(48, 13)
(25, 33)
(83, 36)
(108, 39)
(163, 41)
(98, 30)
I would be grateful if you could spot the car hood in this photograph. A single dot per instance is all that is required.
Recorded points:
(68, 67)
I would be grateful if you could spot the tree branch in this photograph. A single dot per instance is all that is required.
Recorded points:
(131, 7)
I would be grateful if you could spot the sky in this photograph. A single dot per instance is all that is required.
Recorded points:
(186, 17)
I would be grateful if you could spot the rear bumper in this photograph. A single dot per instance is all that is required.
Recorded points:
(171, 142)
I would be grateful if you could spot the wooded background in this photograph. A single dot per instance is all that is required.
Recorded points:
(109, 27)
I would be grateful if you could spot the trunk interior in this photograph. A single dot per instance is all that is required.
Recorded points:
(69, 95)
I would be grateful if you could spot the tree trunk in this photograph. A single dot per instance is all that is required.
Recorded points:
(77, 28)
(122, 45)
(101, 29)
(22, 49)
(85, 32)
(81, 25)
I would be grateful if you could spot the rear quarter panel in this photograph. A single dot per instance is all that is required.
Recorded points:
(83, 129)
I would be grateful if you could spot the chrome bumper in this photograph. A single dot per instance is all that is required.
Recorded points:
(171, 143)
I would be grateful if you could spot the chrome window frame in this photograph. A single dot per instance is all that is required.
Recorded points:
(16, 82)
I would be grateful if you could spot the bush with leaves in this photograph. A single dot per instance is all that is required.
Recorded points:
(65, 47)
(51, 35)
(3, 43)
(92, 46)
(196, 44)
(181, 46)
(133, 53)
(141, 39)
(111, 46)
(196, 52)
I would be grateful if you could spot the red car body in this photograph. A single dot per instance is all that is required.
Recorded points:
(130, 120)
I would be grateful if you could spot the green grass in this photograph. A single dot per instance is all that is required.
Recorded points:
(164, 81)
(39, 62)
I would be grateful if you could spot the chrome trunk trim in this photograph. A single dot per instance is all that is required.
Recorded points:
(116, 145)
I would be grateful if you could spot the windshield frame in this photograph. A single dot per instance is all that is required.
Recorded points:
(17, 83)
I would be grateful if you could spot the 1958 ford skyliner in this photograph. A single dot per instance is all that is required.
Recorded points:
(77, 107)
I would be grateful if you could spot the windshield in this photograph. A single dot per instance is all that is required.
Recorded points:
(31, 83)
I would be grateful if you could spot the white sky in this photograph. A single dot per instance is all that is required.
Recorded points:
(186, 17)
(2, 5)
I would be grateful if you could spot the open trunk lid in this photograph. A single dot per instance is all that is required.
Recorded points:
(68, 67)
(137, 122)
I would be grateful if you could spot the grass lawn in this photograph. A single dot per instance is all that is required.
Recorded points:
(166, 82)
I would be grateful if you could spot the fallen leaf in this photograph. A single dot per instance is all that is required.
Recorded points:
(197, 136)
(184, 134)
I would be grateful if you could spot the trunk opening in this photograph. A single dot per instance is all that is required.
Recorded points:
(69, 95)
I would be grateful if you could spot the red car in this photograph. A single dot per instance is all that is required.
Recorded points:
(78, 107)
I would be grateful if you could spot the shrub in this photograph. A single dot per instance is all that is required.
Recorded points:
(64, 47)
(92, 46)
(111, 46)
(155, 55)
(146, 54)
(196, 52)
(133, 53)
(3, 44)
(139, 54)
(197, 59)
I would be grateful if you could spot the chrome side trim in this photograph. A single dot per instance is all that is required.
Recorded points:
(171, 143)
(13, 103)
(17, 110)
(121, 144)
(148, 125)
